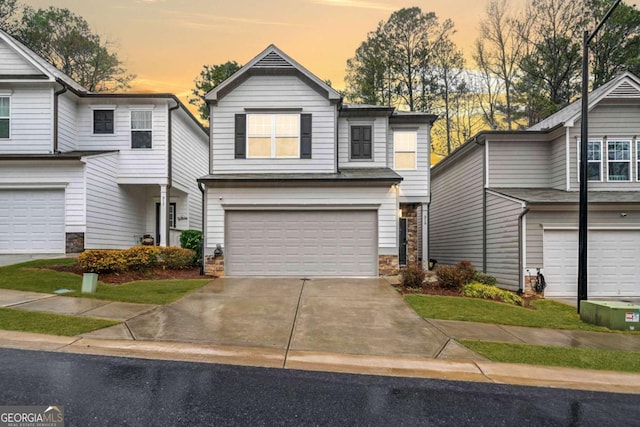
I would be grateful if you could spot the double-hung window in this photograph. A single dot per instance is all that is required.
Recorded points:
(273, 136)
(5, 117)
(594, 160)
(405, 144)
(141, 129)
(103, 121)
(618, 160)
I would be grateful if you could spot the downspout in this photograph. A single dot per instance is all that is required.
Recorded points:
(202, 189)
(167, 226)
(525, 210)
(484, 203)
(337, 121)
(55, 117)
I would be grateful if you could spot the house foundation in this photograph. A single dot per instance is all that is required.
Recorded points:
(214, 265)
(74, 243)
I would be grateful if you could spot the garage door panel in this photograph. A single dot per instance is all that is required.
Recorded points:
(613, 264)
(32, 221)
(295, 243)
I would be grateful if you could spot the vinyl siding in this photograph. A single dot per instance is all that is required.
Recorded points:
(115, 213)
(150, 164)
(379, 149)
(67, 133)
(519, 164)
(31, 121)
(502, 240)
(11, 62)
(190, 162)
(415, 183)
(297, 197)
(272, 92)
(612, 121)
(455, 213)
(69, 174)
(557, 163)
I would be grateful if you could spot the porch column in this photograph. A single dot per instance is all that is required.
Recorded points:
(164, 215)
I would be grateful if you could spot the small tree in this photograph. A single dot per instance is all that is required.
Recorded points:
(210, 77)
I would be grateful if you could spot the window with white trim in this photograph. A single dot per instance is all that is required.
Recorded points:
(103, 122)
(273, 136)
(638, 160)
(594, 160)
(141, 128)
(5, 117)
(618, 160)
(405, 144)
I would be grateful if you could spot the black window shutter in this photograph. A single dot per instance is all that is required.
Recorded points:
(361, 142)
(241, 136)
(305, 136)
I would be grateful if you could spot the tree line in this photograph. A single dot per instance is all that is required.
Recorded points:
(526, 64)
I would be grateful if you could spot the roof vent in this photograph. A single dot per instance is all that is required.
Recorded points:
(273, 60)
(625, 90)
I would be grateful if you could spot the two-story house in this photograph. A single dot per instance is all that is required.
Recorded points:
(508, 201)
(302, 185)
(85, 170)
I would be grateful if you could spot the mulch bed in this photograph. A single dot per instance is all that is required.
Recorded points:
(131, 276)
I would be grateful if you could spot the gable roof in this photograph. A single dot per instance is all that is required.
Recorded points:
(625, 85)
(272, 60)
(52, 73)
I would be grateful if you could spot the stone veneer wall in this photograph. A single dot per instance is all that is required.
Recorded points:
(410, 212)
(387, 265)
(214, 266)
(74, 243)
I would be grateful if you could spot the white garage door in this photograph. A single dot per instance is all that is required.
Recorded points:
(301, 243)
(32, 221)
(613, 264)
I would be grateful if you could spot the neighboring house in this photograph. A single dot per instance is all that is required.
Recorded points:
(302, 185)
(81, 170)
(508, 201)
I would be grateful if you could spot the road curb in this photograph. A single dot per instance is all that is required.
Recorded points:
(402, 366)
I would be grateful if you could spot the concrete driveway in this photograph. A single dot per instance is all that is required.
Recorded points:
(356, 316)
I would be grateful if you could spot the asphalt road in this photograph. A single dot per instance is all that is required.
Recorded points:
(109, 391)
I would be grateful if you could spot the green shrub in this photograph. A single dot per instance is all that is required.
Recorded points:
(192, 239)
(102, 261)
(485, 279)
(455, 276)
(141, 257)
(413, 275)
(466, 270)
(479, 290)
(176, 258)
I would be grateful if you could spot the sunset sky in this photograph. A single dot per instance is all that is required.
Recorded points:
(166, 42)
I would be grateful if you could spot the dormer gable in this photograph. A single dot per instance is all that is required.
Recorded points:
(272, 61)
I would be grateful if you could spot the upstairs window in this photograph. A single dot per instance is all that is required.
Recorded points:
(273, 136)
(594, 160)
(405, 150)
(141, 124)
(5, 117)
(618, 160)
(361, 144)
(638, 160)
(103, 122)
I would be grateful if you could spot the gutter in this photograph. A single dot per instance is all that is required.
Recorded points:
(202, 189)
(55, 117)
(525, 210)
(170, 144)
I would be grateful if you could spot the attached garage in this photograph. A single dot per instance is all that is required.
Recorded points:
(32, 221)
(613, 264)
(301, 243)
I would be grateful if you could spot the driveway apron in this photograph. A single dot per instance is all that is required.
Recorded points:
(356, 316)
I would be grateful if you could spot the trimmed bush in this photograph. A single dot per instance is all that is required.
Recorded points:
(413, 275)
(485, 279)
(175, 258)
(141, 257)
(466, 270)
(102, 261)
(456, 276)
(192, 239)
(479, 290)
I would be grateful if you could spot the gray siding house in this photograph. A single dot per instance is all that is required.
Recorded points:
(508, 200)
(301, 184)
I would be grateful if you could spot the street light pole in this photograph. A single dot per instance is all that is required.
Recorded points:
(583, 224)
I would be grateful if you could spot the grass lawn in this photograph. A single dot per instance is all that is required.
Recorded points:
(547, 314)
(586, 358)
(48, 323)
(30, 276)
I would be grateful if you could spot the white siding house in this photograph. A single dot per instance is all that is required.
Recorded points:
(301, 184)
(80, 170)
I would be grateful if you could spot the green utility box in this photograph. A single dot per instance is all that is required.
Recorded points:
(623, 316)
(89, 282)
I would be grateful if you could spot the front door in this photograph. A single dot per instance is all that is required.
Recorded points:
(171, 219)
(402, 242)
